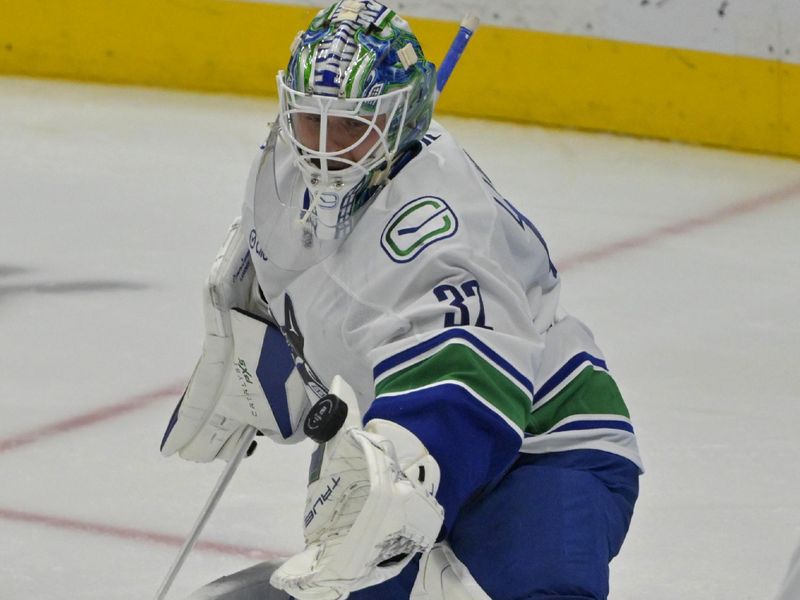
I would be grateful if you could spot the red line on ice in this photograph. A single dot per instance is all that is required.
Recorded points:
(133, 534)
(679, 227)
(90, 418)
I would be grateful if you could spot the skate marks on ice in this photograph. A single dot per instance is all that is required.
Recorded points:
(86, 286)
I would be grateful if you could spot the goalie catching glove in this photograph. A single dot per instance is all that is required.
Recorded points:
(245, 375)
(370, 508)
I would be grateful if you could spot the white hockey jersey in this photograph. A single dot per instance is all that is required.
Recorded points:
(440, 309)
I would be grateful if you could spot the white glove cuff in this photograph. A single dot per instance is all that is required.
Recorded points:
(412, 455)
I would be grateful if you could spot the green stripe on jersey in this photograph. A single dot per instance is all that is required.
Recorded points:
(457, 362)
(590, 393)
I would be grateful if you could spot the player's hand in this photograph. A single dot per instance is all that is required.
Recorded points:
(365, 518)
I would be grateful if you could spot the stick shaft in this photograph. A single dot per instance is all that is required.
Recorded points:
(222, 483)
(465, 32)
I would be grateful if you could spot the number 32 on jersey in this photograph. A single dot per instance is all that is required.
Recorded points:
(467, 304)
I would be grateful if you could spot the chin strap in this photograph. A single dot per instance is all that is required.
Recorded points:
(332, 214)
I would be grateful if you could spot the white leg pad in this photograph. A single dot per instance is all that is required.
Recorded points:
(443, 577)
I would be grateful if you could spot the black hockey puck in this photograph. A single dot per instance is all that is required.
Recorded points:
(325, 418)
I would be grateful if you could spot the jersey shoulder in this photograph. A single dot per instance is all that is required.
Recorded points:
(440, 219)
(443, 200)
(436, 202)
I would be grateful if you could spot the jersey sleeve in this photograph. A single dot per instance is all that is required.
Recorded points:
(457, 369)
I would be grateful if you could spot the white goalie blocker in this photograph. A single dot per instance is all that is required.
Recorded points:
(245, 374)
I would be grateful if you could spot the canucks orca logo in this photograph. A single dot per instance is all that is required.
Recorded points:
(416, 226)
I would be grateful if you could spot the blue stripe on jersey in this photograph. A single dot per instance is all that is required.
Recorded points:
(597, 424)
(274, 367)
(471, 443)
(449, 334)
(565, 371)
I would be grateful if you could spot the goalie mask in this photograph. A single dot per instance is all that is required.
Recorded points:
(356, 93)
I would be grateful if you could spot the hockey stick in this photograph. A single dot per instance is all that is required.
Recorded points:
(469, 25)
(211, 503)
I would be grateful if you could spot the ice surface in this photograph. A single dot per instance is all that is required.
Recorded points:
(684, 261)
